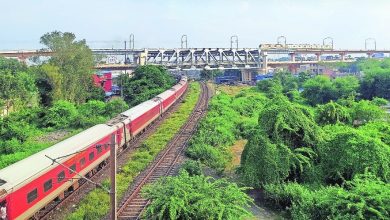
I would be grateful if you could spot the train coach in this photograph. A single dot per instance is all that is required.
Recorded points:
(28, 186)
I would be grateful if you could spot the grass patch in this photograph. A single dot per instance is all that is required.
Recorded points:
(96, 204)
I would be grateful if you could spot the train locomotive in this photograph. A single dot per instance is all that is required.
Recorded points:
(28, 186)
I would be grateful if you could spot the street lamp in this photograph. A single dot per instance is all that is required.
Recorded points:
(328, 38)
(184, 41)
(278, 40)
(370, 39)
(233, 39)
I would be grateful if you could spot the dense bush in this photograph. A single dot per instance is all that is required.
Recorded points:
(365, 197)
(278, 161)
(332, 113)
(364, 111)
(195, 197)
(192, 167)
(348, 152)
(61, 114)
(115, 106)
(289, 123)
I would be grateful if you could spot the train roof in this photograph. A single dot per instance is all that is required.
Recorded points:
(167, 93)
(21, 171)
(140, 109)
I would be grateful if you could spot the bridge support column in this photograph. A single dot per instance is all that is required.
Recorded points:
(292, 57)
(318, 56)
(143, 58)
(265, 62)
(246, 75)
(342, 55)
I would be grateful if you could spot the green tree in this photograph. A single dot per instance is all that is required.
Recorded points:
(288, 81)
(365, 111)
(196, 197)
(303, 77)
(376, 79)
(270, 87)
(18, 89)
(72, 80)
(146, 82)
(346, 86)
(319, 90)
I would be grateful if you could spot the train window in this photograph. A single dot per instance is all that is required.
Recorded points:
(73, 167)
(91, 156)
(82, 162)
(99, 148)
(61, 176)
(31, 196)
(47, 185)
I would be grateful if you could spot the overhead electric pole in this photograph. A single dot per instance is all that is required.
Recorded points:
(113, 177)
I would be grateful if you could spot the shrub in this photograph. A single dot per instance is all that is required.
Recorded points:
(364, 111)
(348, 152)
(115, 106)
(364, 197)
(192, 167)
(195, 197)
(332, 113)
(379, 101)
(61, 115)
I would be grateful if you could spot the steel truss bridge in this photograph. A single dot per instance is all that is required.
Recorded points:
(192, 58)
(205, 58)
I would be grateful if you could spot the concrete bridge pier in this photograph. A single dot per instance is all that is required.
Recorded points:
(292, 57)
(246, 75)
(318, 56)
(264, 68)
(342, 55)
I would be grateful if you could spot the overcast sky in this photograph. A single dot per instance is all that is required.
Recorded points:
(208, 23)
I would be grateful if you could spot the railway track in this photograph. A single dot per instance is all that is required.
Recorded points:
(165, 164)
(54, 210)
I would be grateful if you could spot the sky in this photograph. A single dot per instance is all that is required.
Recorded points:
(207, 23)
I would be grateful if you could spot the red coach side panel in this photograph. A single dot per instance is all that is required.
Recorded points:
(144, 120)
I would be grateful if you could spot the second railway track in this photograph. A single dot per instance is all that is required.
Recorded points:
(166, 163)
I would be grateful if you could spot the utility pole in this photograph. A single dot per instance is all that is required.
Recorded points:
(113, 177)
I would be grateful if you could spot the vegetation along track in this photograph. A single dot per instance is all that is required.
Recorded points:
(166, 163)
(55, 210)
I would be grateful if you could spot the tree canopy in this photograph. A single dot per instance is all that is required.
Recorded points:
(146, 82)
(68, 74)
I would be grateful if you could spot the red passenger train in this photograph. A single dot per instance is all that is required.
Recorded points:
(27, 186)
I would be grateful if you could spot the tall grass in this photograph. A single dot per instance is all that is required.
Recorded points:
(96, 204)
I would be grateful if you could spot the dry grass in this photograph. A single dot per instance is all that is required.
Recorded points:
(231, 90)
(236, 151)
